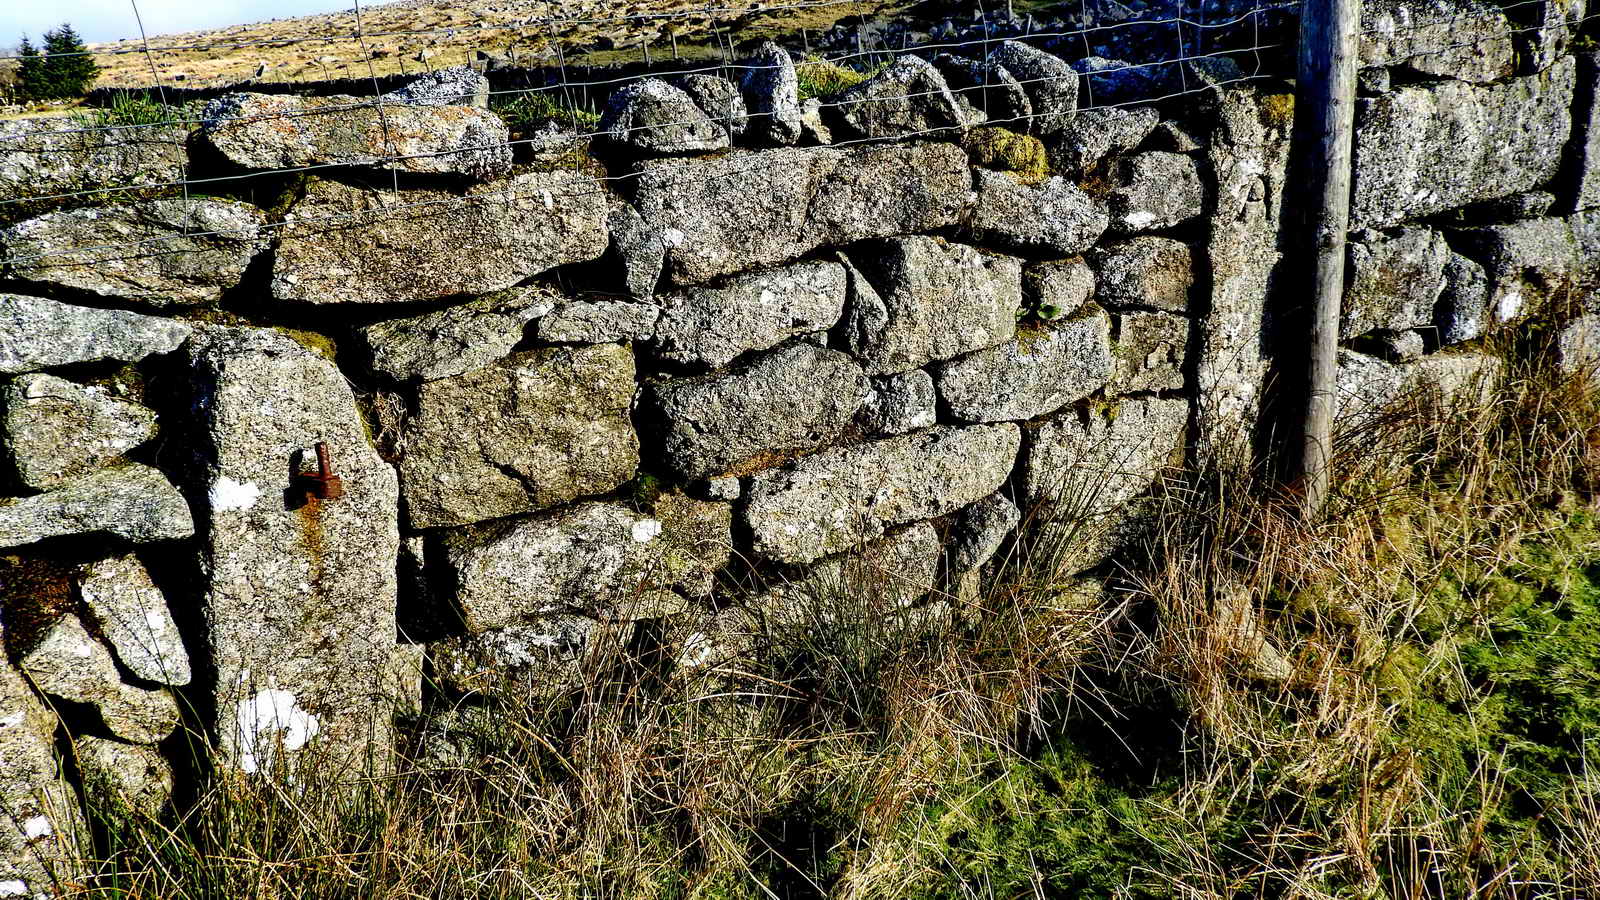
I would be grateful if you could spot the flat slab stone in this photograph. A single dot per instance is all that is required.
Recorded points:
(1148, 353)
(794, 398)
(1366, 386)
(1054, 217)
(1051, 84)
(879, 579)
(56, 430)
(748, 210)
(299, 600)
(133, 615)
(134, 502)
(40, 833)
(909, 97)
(1146, 272)
(599, 322)
(1035, 373)
(158, 254)
(1085, 464)
(528, 432)
(1158, 190)
(349, 244)
(45, 157)
(713, 325)
(36, 333)
(594, 558)
(836, 499)
(1468, 40)
(69, 664)
(282, 131)
(1424, 150)
(455, 339)
(1394, 281)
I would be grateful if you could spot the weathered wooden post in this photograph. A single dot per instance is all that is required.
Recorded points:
(1326, 105)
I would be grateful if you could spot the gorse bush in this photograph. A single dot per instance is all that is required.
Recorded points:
(61, 70)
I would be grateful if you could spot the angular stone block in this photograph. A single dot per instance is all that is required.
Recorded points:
(1037, 372)
(56, 430)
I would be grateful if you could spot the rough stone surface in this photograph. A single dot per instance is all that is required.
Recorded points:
(1367, 386)
(718, 98)
(795, 398)
(347, 244)
(1120, 82)
(1051, 84)
(1098, 133)
(814, 128)
(653, 117)
(989, 87)
(36, 333)
(979, 531)
(189, 251)
(1423, 150)
(541, 658)
(870, 584)
(598, 559)
(909, 97)
(132, 614)
(1144, 273)
(598, 322)
(41, 830)
(1580, 177)
(829, 502)
(772, 94)
(1159, 190)
(1148, 353)
(747, 210)
(902, 403)
(1527, 264)
(714, 325)
(1054, 218)
(926, 300)
(124, 776)
(1578, 347)
(1463, 308)
(1086, 464)
(1037, 372)
(450, 86)
(299, 603)
(56, 430)
(1546, 29)
(530, 431)
(45, 157)
(638, 251)
(456, 339)
(1468, 40)
(281, 131)
(69, 664)
(1397, 346)
(1054, 289)
(1394, 282)
(135, 503)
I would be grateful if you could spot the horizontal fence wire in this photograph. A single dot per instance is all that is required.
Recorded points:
(1251, 56)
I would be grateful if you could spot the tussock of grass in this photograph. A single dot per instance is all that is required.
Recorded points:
(820, 78)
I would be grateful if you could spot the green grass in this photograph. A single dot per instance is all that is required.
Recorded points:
(527, 112)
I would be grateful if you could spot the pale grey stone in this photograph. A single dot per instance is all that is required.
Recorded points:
(69, 664)
(1148, 353)
(930, 300)
(132, 614)
(120, 776)
(282, 131)
(1051, 84)
(747, 210)
(771, 91)
(795, 398)
(653, 117)
(604, 560)
(979, 531)
(450, 86)
(1174, 137)
(1463, 308)
(814, 129)
(1366, 386)
(1528, 264)
(1239, 632)
(989, 87)
(1526, 205)
(718, 98)
(1577, 347)
(455, 339)
(348, 244)
(1054, 289)
(531, 431)
(1098, 133)
(714, 325)
(541, 658)
(1144, 273)
(869, 585)
(1468, 40)
(1373, 81)
(598, 322)
(299, 603)
(1086, 464)
(1546, 30)
(1158, 190)
(727, 489)
(1421, 150)
(1398, 346)
(134, 502)
(46, 157)
(902, 403)
(909, 97)
(36, 333)
(1054, 217)
(1037, 372)
(1580, 177)
(639, 250)
(42, 837)
(56, 430)
(157, 253)
(1394, 281)
(838, 498)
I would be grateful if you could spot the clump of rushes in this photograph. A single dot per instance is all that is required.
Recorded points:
(526, 112)
(1004, 150)
(820, 78)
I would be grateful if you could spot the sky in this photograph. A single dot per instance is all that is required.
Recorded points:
(109, 20)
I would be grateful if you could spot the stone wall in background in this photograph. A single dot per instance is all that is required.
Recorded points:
(319, 454)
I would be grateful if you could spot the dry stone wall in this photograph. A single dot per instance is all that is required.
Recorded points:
(291, 466)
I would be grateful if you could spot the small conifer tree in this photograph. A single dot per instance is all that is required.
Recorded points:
(30, 71)
(64, 69)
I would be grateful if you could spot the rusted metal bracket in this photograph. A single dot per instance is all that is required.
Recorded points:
(323, 484)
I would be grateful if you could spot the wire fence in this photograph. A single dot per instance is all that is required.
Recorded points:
(1255, 38)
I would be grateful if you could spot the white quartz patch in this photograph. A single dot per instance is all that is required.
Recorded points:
(228, 494)
(646, 530)
(267, 721)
